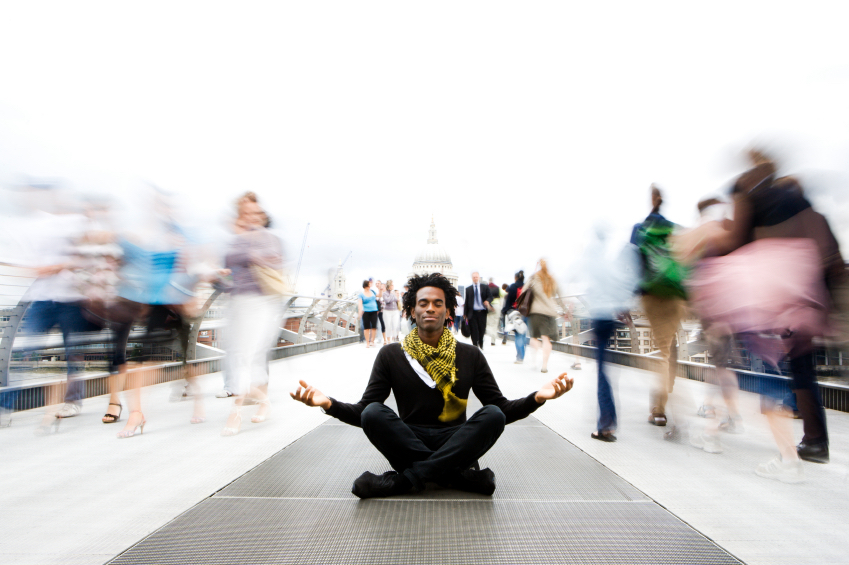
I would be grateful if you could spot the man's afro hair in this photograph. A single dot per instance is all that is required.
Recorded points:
(436, 280)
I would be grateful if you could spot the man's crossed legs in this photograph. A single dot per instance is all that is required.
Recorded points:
(421, 454)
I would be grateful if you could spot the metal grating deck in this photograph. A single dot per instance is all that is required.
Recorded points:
(531, 463)
(240, 530)
(553, 504)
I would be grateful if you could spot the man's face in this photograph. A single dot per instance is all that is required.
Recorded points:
(430, 310)
(476, 278)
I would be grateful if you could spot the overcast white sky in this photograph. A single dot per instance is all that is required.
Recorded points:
(514, 124)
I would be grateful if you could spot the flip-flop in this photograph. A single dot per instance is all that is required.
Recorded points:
(610, 438)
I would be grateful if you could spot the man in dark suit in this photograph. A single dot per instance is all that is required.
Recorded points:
(478, 300)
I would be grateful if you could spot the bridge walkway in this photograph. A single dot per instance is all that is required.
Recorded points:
(279, 492)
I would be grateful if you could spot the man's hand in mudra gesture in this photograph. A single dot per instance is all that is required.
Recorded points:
(311, 396)
(556, 388)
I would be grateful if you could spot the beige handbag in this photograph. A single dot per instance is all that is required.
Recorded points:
(270, 280)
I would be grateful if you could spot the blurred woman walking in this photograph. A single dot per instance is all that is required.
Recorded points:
(391, 312)
(255, 262)
(542, 316)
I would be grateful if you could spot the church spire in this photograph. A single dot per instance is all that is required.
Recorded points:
(432, 232)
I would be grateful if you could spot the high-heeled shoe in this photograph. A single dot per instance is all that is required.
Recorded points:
(259, 418)
(126, 432)
(112, 418)
(228, 431)
(197, 420)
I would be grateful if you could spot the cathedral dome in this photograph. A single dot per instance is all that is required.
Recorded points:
(433, 258)
(433, 253)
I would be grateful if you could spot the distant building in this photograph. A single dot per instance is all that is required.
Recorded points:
(433, 258)
(337, 286)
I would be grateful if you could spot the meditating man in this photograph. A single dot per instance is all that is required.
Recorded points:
(431, 375)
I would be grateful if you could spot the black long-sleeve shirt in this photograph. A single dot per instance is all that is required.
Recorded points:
(420, 405)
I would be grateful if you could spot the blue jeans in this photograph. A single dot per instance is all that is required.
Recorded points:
(44, 315)
(521, 342)
(606, 407)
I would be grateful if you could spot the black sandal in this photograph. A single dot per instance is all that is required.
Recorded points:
(113, 417)
(608, 437)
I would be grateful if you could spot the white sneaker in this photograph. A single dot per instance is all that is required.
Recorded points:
(784, 471)
(69, 410)
(224, 394)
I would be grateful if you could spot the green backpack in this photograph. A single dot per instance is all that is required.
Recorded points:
(662, 275)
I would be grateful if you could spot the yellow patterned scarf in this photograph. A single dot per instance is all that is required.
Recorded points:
(440, 364)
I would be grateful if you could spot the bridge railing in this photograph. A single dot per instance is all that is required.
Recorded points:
(834, 395)
(308, 324)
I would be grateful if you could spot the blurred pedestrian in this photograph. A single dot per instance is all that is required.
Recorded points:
(509, 306)
(368, 312)
(457, 321)
(662, 300)
(54, 298)
(149, 293)
(381, 288)
(391, 312)
(493, 317)
(478, 302)
(515, 322)
(688, 247)
(492, 287)
(543, 312)
(782, 262)
(611, 280)
(406, 324)
(255, 262)
(504, 288)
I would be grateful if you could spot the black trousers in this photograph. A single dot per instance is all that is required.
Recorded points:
(477, 323)
(808, 399)
(425, 454)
